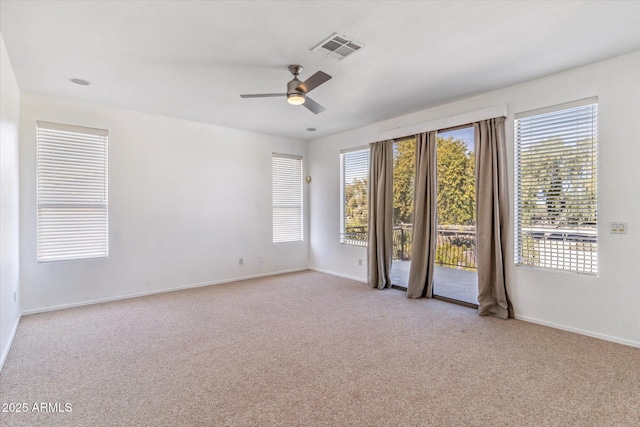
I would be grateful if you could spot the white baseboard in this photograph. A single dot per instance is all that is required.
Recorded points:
(357, 279)
(605, 337)
(159, 291)
(598, 335)
(5, 351)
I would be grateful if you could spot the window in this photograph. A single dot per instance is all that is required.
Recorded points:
(354, 187)
(72, 193)
(287, 198)
(556, 187)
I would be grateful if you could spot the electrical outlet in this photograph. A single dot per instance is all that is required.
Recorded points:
(261, 258)
(360, 262)
(240, 261)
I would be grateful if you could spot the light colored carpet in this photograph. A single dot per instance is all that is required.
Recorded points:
(311, 349)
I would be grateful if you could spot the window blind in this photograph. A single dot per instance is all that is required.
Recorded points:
(354, 197)
(72, 194)
(287, 198)
(556, 187)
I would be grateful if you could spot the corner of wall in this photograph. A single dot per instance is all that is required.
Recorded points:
(7, 345)
(10, 308)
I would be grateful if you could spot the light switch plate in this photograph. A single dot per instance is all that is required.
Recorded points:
(618, 228)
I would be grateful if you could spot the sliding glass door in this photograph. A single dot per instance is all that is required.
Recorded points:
(404, 171)
(455, 275)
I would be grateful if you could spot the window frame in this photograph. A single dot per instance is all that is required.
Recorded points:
(278, 223)
(72, 193)
(344, 238)
(579, 238)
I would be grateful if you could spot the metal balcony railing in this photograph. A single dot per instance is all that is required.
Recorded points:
(456, 244)
(455, 247)
(355, 236)
(402, 242)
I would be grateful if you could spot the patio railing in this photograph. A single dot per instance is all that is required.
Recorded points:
(355, 236)
(455, 247)
(402, 238)
(456, 244)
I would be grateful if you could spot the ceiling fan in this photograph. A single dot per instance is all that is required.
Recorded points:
(297, 91)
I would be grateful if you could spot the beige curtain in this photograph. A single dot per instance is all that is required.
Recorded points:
(491, 217)
(420, 282)
(380, 244)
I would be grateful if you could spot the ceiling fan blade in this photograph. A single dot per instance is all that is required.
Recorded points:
(263, 95)
(313, 106)
(313, 82)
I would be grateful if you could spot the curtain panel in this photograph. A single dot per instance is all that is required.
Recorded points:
(420, 283)
(380, 233)
(492, 214)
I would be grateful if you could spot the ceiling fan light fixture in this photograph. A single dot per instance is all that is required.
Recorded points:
(295, 99)
(297, 91)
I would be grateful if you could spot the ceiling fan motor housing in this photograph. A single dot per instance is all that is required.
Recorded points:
(293, 84)
(291, 87)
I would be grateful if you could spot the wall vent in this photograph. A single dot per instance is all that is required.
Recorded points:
(338, 47)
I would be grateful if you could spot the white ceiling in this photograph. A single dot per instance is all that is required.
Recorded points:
(192, 60)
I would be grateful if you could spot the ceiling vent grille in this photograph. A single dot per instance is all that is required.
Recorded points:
(338, 47)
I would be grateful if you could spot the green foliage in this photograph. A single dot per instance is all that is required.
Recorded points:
(445, 255)
(456, 183)
(404, 171)
(561, 189)
(465, 242)
(356, 212)
(456, 198)
(450, 254)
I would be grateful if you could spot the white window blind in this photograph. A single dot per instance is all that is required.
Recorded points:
(556, 187)
(287, 198)
(354, 197)
(72, 192)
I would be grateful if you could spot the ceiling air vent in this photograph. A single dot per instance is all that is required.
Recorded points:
(338, 47)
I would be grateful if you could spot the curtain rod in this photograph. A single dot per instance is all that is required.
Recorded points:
(445, 123)
(448, 129)
(452, 128)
